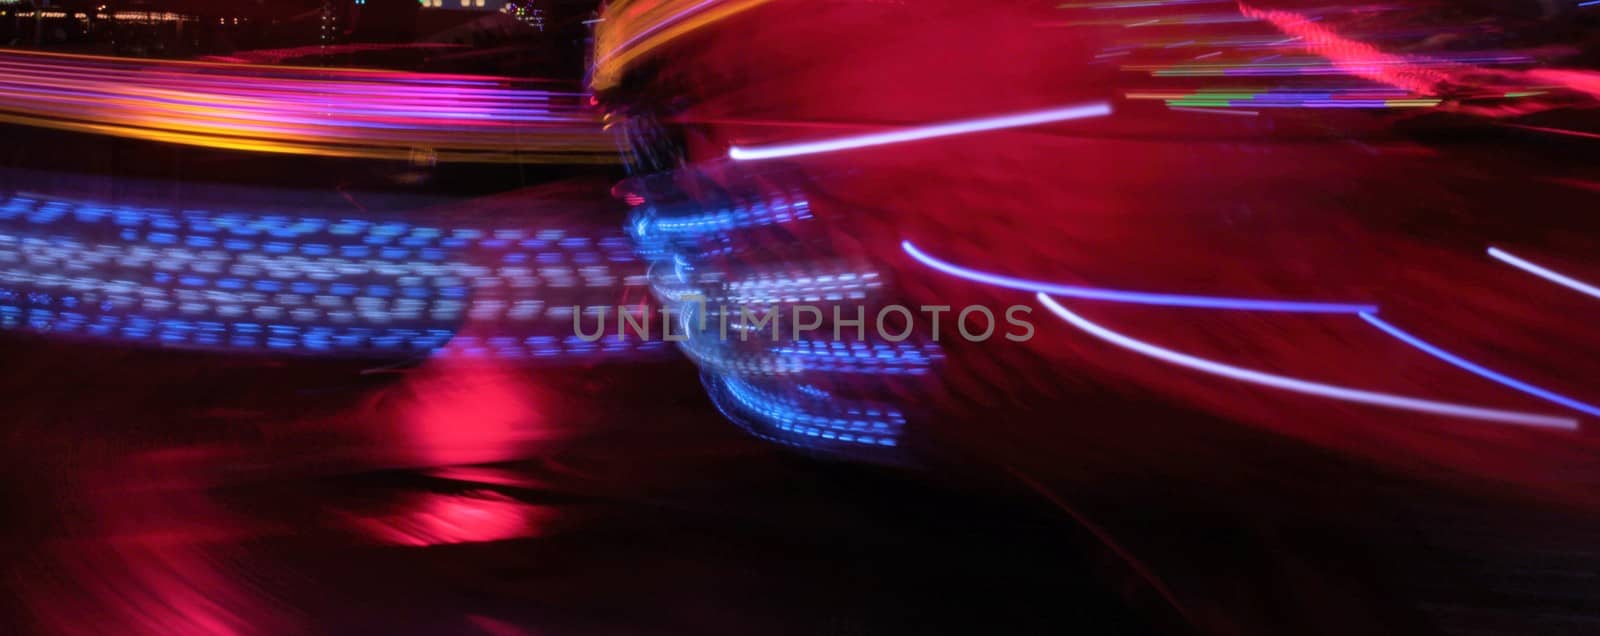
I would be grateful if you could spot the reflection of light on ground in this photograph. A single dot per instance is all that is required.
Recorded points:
(439, 519)
(467, 413)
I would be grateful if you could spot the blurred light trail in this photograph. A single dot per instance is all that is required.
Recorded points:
(1353, 56)
(1285, 98)
(775, 210)
(1164, 21)
(1545, 273)
(1359, 396)
(1215, 111)
(279, 56)
(1479, 370)
(1279, 66)
(316, 285)
(810, 393)
(827, 418)
(919, 133)
(1140, 298)
(1134, 4)
(326, 112)
(1556, 131)
(631, 29)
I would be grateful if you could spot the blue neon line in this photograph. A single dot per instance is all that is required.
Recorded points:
(1479, 370)
(1296, 385)
(1545, 273)
(1142, 298)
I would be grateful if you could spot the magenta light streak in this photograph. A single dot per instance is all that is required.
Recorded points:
(1294, 385)
(919, 133)
(315, 111)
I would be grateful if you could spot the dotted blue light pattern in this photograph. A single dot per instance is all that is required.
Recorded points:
(809, 423)
(750, 380)
(301, 284)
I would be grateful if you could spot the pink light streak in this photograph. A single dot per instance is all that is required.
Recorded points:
(1352, 56)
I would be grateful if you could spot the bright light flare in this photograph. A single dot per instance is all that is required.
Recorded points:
(919, 133)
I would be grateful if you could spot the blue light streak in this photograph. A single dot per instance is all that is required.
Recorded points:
(752, 383)
(1480, 370)
(1294, 385)
(778, 211)
(820, 421)
(1135, 297)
